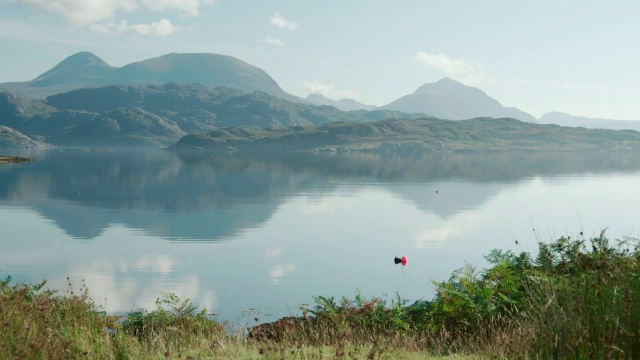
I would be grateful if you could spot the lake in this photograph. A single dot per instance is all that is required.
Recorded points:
(259, 236)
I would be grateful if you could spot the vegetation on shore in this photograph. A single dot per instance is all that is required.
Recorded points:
(15, 159)
(576, 298)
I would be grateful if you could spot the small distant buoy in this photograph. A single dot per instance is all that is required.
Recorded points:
(403, 260)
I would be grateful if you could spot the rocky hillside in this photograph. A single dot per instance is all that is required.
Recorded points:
(10, 138)
(418, 135)
(161, 114)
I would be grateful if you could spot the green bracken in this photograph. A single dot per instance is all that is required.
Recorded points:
(576, 298)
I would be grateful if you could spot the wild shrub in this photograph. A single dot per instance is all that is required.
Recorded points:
(577, 298)
(470, 299)
(173, 327)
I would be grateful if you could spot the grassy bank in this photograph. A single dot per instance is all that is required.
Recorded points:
(576, 298)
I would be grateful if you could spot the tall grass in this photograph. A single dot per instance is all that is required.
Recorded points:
(37, 325)
(582, 303)
(574, 299)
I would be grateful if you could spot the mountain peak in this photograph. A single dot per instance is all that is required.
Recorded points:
(449, 99)
(448, 80)
(82, 59)
(82, 67)
(205, 68)
(75, 61)
(446, 84)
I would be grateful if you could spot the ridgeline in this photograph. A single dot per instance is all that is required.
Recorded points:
(416, 135)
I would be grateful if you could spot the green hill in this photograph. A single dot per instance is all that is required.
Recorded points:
(161, 114)
(417, 135)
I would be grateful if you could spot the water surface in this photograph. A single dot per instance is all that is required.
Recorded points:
(249, 236)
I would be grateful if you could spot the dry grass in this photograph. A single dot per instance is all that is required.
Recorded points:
(38, 324)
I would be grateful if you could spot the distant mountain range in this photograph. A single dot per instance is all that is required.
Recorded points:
(84, 100)
(85, 69)
(589, 123)
(161, 114)
(342, 104)
(445, 99)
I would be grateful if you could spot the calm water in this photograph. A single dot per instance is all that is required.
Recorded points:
(259, 237)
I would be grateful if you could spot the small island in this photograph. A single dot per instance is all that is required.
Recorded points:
(4, 159)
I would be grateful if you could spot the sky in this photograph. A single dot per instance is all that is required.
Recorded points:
(578, 57)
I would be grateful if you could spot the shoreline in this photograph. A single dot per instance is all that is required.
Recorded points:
(5, 159)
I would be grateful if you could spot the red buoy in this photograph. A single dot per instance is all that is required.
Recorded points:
(403, 260)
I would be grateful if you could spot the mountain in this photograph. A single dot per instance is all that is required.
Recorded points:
(590, 123)
(416, 136)
(120, 127)
(449, 99)
(342, 104)
(160, 114)
(85, 69)
(210, 107)
(12, 107)
(208, 69)
(15, 111)
(10, 138)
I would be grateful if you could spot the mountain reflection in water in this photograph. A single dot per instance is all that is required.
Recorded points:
(237, 232)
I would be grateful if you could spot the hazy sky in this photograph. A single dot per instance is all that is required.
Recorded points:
(580, 57)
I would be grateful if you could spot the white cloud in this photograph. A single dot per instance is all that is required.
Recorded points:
(162, 264)
(458, 69)
(272, 41)
(440, 232)
(279, 21)
(329, 90)
(159, 28)
(276, 273)
(317, 87)
(84, 12)
(186, 7)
